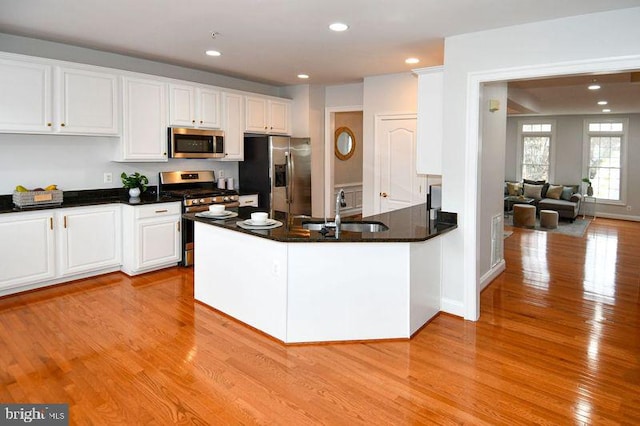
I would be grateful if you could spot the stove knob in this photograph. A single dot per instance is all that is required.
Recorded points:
(194, 201)
(226, 198)
(202, 200)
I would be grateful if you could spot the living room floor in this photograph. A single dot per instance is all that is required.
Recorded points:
(557, 343)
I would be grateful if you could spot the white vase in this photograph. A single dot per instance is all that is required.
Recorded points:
(134, 192)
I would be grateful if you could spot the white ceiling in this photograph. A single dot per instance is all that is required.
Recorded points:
(271, 41)
(570, 95)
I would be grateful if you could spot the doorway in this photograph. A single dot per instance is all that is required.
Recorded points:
(345, 174)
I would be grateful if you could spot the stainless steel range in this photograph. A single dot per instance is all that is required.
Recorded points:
(197, 190)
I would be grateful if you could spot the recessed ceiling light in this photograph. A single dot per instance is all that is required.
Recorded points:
(338, 26)
(594, 87)
(303, 76)
(606, 110)
(411, 61)
(213, 53)
(602, 102)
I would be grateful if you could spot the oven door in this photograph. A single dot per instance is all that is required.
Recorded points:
(188, 248)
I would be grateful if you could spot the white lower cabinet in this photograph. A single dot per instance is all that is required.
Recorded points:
(152, 237)
(51, 246)
(89, 238)
(27, 251)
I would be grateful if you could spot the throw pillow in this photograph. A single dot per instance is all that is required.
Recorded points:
(533, 191)
(534, 182)
(554, 191)
(514, 189)
(567, 192)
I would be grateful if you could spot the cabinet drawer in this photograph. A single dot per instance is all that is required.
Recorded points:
(248, 200)
(157, 210)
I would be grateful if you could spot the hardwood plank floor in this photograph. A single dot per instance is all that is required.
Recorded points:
(558, 342)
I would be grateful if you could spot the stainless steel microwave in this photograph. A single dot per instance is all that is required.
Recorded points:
(195, 143)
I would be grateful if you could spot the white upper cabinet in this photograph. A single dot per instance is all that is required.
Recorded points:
(87, 102)
(264, 115)
(430, 121)
(26, 97)
(279, 117)
(82, 101)
(144, 127)
(194, 106)
(233, 126)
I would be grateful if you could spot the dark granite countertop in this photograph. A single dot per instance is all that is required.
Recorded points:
(406, 225)
(89, 198)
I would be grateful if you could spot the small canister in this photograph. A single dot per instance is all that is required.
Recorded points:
(230, 183)
(221, 183)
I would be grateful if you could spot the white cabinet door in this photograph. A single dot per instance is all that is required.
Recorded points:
(233, 126)
(152, 237)
(87, 102)
(279, 121)
(88, 239)
(159, 242)
(268, 116)
(144, 136)
(27, 250)
(194, 106)
(181, 105)
(208, 108)
(256, 114)
(26, 97)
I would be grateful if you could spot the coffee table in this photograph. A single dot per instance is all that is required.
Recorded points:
(512, 200)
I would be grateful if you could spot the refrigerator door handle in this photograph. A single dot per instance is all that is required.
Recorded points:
(287, 162)
(291, 178)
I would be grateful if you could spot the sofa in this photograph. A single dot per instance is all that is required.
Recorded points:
(564, 199)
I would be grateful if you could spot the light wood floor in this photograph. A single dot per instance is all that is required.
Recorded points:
(558, 343)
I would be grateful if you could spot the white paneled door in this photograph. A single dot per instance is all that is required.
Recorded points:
(400, 185)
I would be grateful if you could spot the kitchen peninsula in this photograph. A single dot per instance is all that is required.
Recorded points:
(301, 286)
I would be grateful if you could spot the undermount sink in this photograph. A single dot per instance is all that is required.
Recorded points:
(347, 226)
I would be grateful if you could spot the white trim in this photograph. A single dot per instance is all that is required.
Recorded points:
(451, 306)
(329, 125)
(469, 217)
(619, 217)
(492, 274)
(586, 144)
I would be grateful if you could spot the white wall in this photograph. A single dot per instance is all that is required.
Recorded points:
(78, 162)
(493, 135)
(522, 50)
(384, 94)
(569, 155)
(344, 95)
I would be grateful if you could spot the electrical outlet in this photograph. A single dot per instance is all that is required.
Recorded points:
(629, 208)
(221, 174)
(108, 177)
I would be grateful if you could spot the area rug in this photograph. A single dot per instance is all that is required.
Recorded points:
(575, 229)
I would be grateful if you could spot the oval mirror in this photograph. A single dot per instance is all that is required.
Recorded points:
(345, 143)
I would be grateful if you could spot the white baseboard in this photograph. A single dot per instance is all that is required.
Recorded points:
(492, 274)
(453, 307)
(618, 216)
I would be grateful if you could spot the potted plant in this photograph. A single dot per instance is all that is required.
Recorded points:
(589, 187)
(135, 183)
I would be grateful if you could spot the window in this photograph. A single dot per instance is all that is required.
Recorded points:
(535, 150)
(604, 165)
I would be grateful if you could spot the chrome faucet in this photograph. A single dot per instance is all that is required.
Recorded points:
(339, 203)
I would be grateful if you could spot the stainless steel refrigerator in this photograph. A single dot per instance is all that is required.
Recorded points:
(278, 168)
